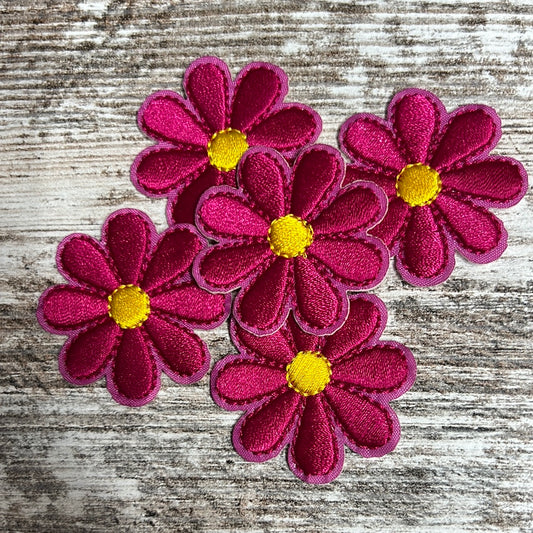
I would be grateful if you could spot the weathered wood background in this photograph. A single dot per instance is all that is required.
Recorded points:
(73, 75)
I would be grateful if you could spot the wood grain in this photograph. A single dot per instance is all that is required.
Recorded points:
(72, 77)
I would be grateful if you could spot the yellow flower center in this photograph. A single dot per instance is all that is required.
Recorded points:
(226, 148)
(290, 236)
(128, 306)
(418, 184)
(308, 373)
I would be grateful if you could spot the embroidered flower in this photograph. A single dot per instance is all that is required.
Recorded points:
(316, 393)
(202, 139)
(437, 173)
(291, 239)
(130, 306)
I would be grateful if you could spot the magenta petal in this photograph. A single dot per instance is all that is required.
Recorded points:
(258, 87)
(470, 132)
(263, 176)
(225, 267)
(206, 84)
(173, 256)
(416, 116)
(286, 130)
(302, 340)
(67, 308)
(314, 453)
(357, 262)
(480, 235)
(385, 179)
(189, 304)
(134, 374)
(159, 169)
(366, 321)
(165, 116)
(261, 434)
(81, 258)
(357, 207)
(392, 226)
(369, 140)
(128, 237)
(84, 358)
(184, 355)
(316, 172)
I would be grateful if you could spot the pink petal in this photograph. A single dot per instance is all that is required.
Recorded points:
(317, 171)
(471, 131)
(385, 179)
(165, 116)
(134, 375)
(366, 320)
(261, 306)
(366, 423)
(369, 140)
(480, 235)
(206, 84)
(67, 308)
(192, 305)
(498, 182)
(226, 267)
(184, 355)
(320, 305)
(392, 225)
(302, 340)
(286, 130)
(82, 259)
(128, 237)
(159, 169)
(241, 381)
(263, 432)
(259, 86)
(416, 117)
(85, 358)
(381, 368)
(315, 450)
(263, 175)
(226, 214)
(357, 207)
(358, 262)
(173, 256)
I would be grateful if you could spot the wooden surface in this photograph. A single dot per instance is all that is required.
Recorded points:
(72, 77)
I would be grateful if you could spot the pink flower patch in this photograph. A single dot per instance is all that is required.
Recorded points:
(291, 239)
(201, 138)
(130, 306)
(316, 393)
(437, 173)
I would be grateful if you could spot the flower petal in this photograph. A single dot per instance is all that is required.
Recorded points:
(498, 182)
(316, 173)
(82, 259)
(315, 455)
(173, 256)
(302, 341)
(359, 262)
(365, 323)
(159, 169)
(258, 87)
(184, 355)
(263, 175)
(128, 237)
(262, 434)
(287, 129)
(385, 179)
(357, 207)
(66, 308)
(85, 357)
(470, 132)
(165, 116)
(194, 306)
(206, 83)
(134, 374)
(368, 139)
(416, 116)
(390, 228)
(480, 235)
